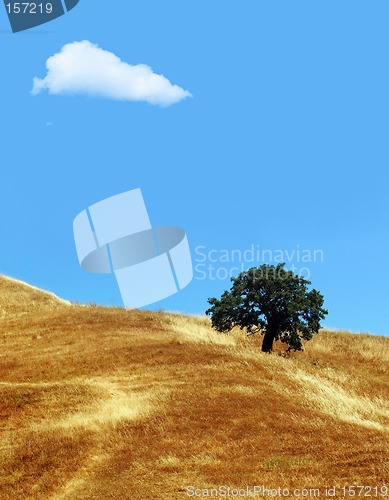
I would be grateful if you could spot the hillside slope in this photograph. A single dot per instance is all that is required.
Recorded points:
(18, 298)
(107, 403)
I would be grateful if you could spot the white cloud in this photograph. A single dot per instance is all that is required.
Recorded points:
(85, 68)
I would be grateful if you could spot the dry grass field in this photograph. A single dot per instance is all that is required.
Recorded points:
(103, 403)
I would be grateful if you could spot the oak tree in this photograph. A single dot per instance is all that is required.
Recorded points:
(273, 301)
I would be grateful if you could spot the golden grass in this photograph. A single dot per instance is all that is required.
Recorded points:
(111, 405)
(196, 329)
(107, 403)
(340, 401)
(22, 298)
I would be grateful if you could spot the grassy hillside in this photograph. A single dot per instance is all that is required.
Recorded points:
(102, 403)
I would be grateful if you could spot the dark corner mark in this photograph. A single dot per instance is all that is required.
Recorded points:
(26, 15)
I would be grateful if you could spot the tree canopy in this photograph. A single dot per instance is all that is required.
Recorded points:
(271, 300)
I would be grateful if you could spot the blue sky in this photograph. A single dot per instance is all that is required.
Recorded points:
(284, 144)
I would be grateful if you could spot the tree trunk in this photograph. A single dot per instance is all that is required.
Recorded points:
(268, 339)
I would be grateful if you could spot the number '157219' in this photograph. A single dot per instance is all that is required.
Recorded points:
(29, 8)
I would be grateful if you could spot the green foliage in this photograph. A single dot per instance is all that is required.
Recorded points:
(272, 300)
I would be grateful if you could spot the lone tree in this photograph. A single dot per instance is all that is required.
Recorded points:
(271, 300)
